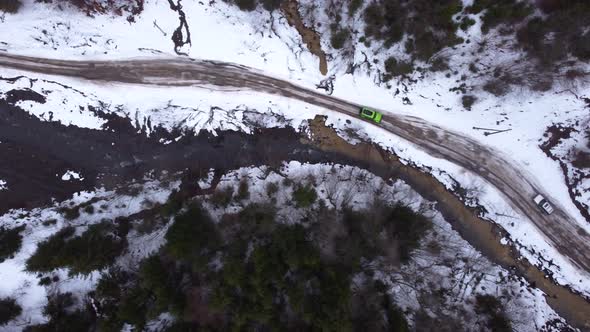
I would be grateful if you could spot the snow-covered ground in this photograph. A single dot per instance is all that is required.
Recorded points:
(267, 43)
(43, 222)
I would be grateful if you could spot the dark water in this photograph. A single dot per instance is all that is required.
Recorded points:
(34, 154)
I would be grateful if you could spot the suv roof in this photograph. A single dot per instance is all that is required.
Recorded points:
(543, 203)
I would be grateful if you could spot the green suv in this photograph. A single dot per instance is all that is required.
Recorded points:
(369, 114)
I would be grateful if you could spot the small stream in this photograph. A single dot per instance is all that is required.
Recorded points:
(35, 154)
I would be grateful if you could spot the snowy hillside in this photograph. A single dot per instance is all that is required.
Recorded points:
(464, 87)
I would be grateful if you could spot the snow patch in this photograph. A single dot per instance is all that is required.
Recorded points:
(71, 175)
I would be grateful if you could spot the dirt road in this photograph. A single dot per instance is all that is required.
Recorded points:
(560, 229)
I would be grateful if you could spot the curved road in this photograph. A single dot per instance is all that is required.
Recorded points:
(560, 229)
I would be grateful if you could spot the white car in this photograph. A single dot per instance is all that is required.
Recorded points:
(543, 204)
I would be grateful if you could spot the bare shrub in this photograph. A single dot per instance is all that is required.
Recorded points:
(9, 309)
(468, 101)
(429, 23)
(10, 6)
(563, 31)
(116, 7)
(496, 87)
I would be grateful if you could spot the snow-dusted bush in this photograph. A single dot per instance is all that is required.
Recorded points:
(468, 101)
(304, 196)
(9, 310)
(65, 314)
(557, 35)
(429, 24)
(506, 12)
(250, 5)
(117, 7)
(10, 242)
(493, 313)
(98, 243)
(339, 37)
(397, 68)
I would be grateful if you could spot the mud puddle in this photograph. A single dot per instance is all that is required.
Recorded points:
(481, 234)
(310, 37)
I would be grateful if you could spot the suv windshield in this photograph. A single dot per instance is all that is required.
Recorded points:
(367, 112)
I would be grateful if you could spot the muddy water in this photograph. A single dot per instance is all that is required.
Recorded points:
(310, 37)
(481, 234)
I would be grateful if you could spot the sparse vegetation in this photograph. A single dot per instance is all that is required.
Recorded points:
(243, 190)
(95, 249)
(493, 310)
(466, 23)
(497, 87)
(304, 196)
(428, 27)
(468, 101)
(339, 37)
(222, 197)
(392, 231)
(354, 6)
(248, 271)
(10, 6)
(9, 310)
(563, 31)
(253, 220)
(49, 222)
(45, 281)
(173, 204)
(90, 7)
(272, 188)
(398, 68)
(193, 236)
(65, 314)
(70, 213)
(250, 5)
(89, 209)
(506, 12)
(247, 5)
(271, 5)
(429, 24)
(10, 242)
(286, 253)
